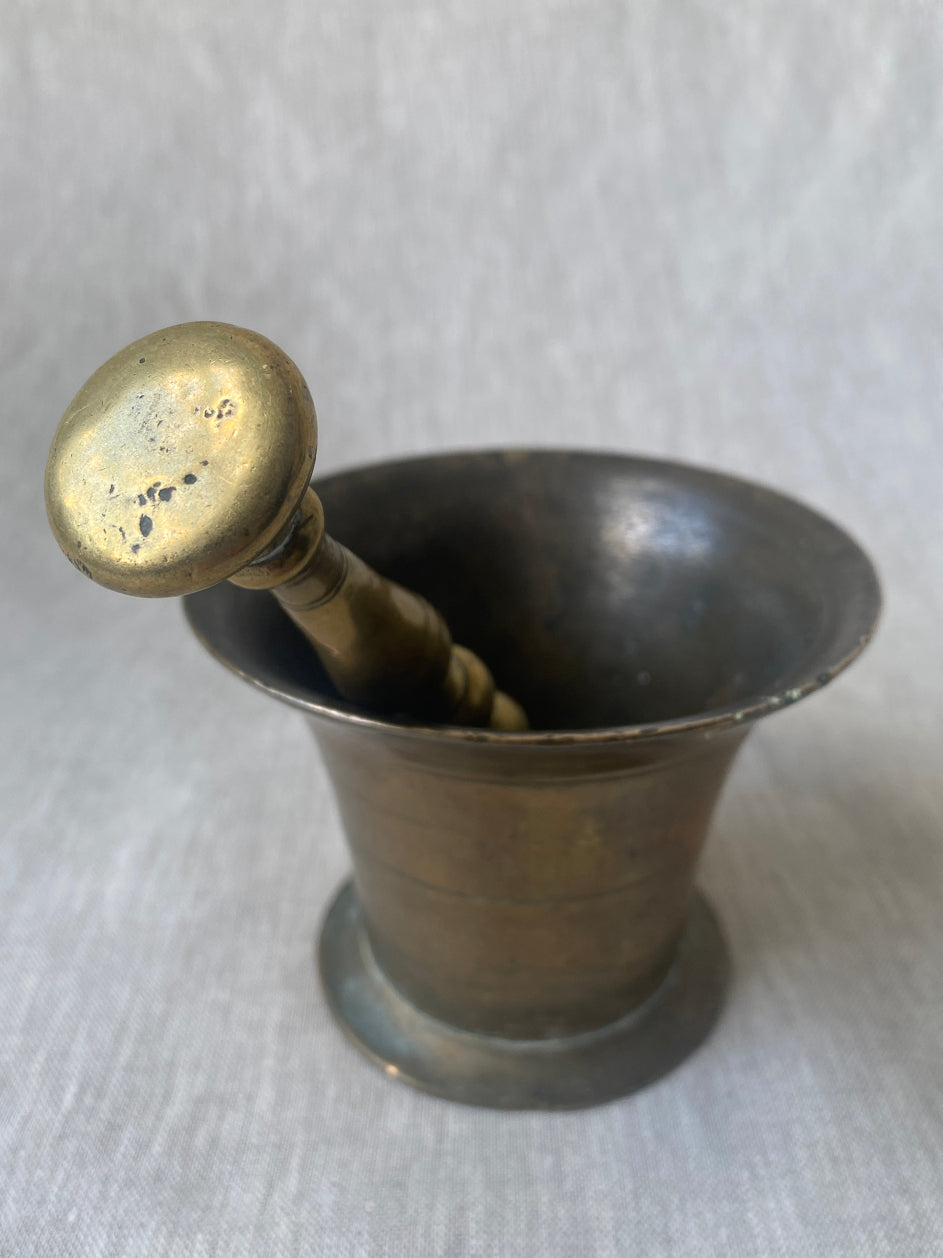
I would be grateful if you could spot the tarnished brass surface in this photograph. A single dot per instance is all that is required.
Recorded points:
(521, 930)
(525, 892)
(564, 1072)
(185, 460)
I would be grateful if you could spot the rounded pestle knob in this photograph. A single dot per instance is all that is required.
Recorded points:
(181, 460)
(185, 460)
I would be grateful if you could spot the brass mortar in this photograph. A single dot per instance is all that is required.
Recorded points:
(522, 928)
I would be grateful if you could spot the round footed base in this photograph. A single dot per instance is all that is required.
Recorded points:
(563, 1073)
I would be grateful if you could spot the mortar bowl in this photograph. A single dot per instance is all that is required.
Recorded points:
(522, 929)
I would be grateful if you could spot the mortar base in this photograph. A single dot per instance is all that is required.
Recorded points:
(568, 1072)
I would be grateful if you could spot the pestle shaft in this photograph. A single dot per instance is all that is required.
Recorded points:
(380, 644)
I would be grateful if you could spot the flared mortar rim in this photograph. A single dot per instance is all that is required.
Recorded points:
(805, 681)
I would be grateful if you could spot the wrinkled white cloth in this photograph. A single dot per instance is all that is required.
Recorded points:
(710, 231)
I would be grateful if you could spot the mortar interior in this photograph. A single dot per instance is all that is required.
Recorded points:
(602, 590)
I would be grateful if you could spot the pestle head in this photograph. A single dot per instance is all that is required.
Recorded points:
(181, 460)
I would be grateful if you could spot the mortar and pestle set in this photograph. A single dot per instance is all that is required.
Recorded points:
(522, 927)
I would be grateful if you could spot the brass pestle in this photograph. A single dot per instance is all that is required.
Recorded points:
(185, 460)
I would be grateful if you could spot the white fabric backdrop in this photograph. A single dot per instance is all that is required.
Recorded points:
(704, 230)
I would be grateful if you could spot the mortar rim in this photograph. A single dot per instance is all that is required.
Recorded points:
(725, 717)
